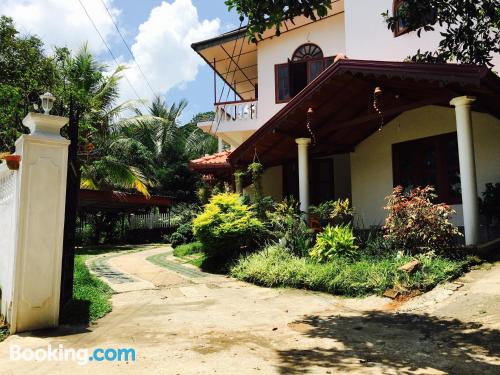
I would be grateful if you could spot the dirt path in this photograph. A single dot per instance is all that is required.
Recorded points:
(181, 321)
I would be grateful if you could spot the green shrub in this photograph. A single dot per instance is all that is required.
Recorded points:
(333, 242)
(182, 216)
(417, 224)
(490, 203)
(289, 228)
(276, 267)
(227, 225)
(338, 212)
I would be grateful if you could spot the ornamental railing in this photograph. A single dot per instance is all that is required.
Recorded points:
(239, 110)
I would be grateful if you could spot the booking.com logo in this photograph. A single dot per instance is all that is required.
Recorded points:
(81, 356)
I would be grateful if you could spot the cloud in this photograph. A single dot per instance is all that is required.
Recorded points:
(163, 48)
(63, 22)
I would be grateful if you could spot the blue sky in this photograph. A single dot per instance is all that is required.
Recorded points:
(159, 34)
(199, 93)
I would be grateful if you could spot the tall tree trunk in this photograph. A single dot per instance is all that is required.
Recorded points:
(72, 192)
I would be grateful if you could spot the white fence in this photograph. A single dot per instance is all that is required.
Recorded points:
(8, 181)
(150, 221)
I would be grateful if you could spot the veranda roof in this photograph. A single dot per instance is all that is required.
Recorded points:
(117, 201)
(342, 100)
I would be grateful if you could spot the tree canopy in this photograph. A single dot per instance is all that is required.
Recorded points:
(120, 147)
(263, 15)
(469, 29)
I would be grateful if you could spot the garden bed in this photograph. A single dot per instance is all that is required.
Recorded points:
(276, 267)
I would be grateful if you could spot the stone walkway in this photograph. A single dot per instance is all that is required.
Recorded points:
(182, 321)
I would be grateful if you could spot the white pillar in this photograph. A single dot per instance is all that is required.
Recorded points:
(220, 144)
(467, 167)
(40, 224)
(303, 158)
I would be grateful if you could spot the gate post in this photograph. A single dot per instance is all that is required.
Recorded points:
(40, 225)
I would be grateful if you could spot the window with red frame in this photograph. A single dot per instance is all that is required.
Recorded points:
(306, 64)
(429, 161)
(401, 27)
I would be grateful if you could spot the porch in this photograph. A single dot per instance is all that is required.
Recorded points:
(366, 111)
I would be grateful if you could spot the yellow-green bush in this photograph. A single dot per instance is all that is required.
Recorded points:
(227, 225)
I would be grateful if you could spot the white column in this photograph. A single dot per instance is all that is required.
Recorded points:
(220, 144)
(40, 224)
(467, 167)
(303, 158)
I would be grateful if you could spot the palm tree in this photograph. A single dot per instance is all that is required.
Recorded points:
(84, 83)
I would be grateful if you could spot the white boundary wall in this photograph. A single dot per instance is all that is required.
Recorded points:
(33, 225)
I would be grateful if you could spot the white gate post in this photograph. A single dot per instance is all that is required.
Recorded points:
(40, 224)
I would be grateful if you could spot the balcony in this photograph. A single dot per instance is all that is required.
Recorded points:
(240, 114)
(234, 121)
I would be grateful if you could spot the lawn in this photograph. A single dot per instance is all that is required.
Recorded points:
(91, 296)
(276, 267)
(191, 253)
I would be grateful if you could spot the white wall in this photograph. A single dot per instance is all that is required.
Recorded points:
(368, 38)
(371, 163)
(328, 34)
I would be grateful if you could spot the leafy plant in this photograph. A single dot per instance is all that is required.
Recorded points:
(336, 212)
(289, 228)
(227, 226)
(333, 242)
(417, 224)
(490, 203)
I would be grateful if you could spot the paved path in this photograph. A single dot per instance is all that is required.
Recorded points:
(181, 321)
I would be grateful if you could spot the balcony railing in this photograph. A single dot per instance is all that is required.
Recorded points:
(239, 110)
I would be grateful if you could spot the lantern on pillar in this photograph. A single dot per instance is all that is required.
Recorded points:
(47, 102)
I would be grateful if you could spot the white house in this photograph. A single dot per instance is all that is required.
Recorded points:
(331, 110)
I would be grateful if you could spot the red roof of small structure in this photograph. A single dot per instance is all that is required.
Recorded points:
(218, 160)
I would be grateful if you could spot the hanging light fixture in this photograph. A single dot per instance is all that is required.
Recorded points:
(47, 102)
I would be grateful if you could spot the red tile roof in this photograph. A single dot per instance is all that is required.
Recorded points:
(218, 160)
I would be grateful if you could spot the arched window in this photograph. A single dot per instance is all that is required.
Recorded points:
(306, 52)
(306, 64)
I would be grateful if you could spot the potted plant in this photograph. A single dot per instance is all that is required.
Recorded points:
(12, 161)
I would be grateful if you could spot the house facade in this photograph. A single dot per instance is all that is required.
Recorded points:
(332, 111)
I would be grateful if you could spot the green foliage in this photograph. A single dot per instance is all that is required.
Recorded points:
(336, 212)
(417, 224)
(227, 226)
(24, 69)
(188, 249)
(263, 15)
(490, 203)
(289, 228)
(470, 30)
(334, 242)
(91, 296)
(276, 267)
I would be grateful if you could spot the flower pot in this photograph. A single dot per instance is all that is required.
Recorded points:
(13, 161)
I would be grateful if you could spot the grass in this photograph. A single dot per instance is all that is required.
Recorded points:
(91, 296)
(191, 253)
(275, 267)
